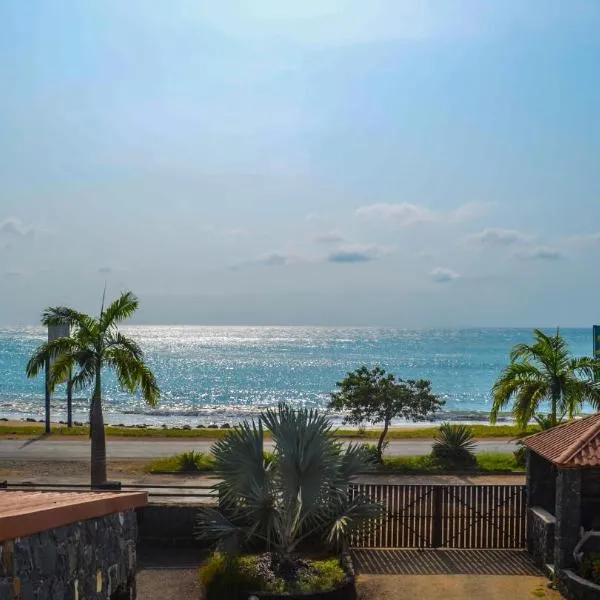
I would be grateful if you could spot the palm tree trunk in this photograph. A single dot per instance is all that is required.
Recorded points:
(98, 451)
(554, 408)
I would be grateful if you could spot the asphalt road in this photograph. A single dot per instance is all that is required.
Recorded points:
(48, 449)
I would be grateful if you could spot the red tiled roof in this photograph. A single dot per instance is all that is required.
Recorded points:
(574, 444)
(26, 513)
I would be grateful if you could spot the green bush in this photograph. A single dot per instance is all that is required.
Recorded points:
(454, 446)
(520, 455)
(590, 568)
(223, 577)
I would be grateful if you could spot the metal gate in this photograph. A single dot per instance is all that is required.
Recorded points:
(444, 516)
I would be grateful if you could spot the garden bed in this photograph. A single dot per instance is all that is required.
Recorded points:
(255, 576)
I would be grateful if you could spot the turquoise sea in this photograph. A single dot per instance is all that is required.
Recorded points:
(221, 374)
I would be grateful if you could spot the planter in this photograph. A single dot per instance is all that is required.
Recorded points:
(574, 587)
(344, 591)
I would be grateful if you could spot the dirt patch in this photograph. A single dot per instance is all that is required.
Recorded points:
(454, 587)
(62, 469)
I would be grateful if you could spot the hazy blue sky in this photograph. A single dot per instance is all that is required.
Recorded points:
(324, 162)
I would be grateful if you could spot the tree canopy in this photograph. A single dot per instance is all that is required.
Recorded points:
(374, 396)
(546, 371)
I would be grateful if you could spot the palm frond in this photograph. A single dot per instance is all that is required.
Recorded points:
(132, 373)
(120, 309)
(118, 340)
(49, 351)
(63, 315)
(213, 526)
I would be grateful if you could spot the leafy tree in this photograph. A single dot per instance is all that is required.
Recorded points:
(301, 492)
(95, 344)
(546, 371)
(375, 396)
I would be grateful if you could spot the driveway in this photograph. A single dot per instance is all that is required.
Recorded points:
(454, 587)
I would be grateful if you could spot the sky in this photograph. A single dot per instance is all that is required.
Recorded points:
(326, 162)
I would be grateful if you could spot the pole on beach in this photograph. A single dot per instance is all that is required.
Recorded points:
(47, 386)
(70, 400)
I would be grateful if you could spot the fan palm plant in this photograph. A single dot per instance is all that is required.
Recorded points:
(95, 344)
(546, 371)
(302, 492)
(454, 445)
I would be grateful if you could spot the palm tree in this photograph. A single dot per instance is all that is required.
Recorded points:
(95, 343)
(546, 371)
(302, 491)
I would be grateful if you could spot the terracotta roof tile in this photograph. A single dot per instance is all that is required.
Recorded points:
(26, 513)
(574, 444)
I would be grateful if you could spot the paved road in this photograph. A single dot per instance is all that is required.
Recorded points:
(48, 449)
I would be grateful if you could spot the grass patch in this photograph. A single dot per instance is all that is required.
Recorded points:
(187, 462)
(487, 462)
(32, 431)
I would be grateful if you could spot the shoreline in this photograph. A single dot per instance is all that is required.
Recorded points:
(35, 429)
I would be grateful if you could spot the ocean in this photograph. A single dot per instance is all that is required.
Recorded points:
(223, 374)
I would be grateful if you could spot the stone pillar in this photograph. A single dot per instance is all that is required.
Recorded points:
(568, 517)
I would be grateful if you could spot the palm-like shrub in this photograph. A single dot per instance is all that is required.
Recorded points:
(454, 445)
(301, 493)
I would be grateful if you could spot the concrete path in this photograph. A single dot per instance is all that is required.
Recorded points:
(53, 448)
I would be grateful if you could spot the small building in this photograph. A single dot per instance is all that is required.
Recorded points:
(68, 545)
(563, 498)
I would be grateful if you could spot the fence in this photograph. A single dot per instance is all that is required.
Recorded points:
(444, 516)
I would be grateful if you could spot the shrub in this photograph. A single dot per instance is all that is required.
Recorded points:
(190, 461)
(521, 456)
(372, 454)
(590, 568)
(221, 577)
(454, 446)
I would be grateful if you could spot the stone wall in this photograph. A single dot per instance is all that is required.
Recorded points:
(91, 560)
(573, 587)
(540, 536)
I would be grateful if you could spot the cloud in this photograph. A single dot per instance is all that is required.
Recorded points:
(311, 217)
(587, 240)
(540, 253)
(105, 270)
(274, 259)
(13, 274)
(406, 214)
(357, 253)
(331, 237)
(443, 275)
(499, 237)
(15, 226)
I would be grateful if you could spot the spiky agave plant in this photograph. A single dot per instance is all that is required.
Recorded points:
(281, 503)
(454, 445)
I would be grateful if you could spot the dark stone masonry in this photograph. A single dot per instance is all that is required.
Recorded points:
(91, 560)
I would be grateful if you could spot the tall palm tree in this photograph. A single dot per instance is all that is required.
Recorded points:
(94, 344)
(546, 371)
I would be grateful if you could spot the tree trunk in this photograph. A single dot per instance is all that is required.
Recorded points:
(98, 452)
(382, 440)
(554, 408)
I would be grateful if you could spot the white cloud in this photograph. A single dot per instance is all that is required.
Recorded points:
(499, 237)
(586, 240)
(275, 259)
(540, 253)
(443, 275)
(357, 253)
(15, 226)
(13, 274)
(105, 270)
(406, 214)
(331, 237)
